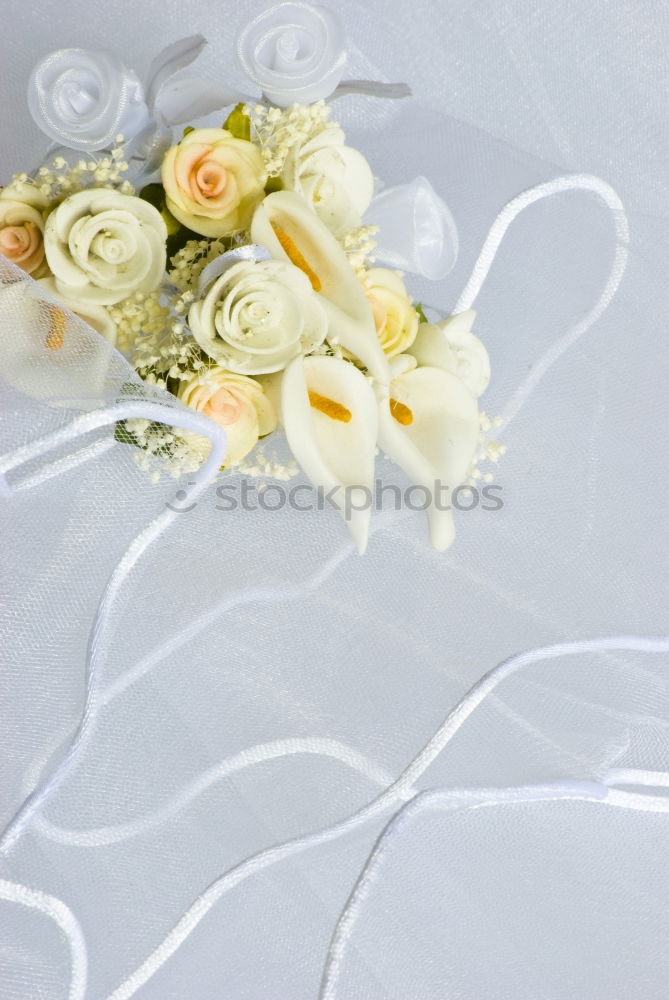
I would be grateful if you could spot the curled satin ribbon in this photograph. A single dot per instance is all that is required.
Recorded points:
(252, 252)
(83, 99)
(416, 231)
(296, 53)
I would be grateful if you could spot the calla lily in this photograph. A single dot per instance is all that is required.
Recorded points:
(329, 413)
(286, 224)
(452, 346)
(429, 426)
(96, 316)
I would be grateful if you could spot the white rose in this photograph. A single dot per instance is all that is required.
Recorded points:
(235, 402)
(395, 318)
(334, 178)
(294, 52)
(83, 99)
(452, 346)
(256, 317)
(102, 246)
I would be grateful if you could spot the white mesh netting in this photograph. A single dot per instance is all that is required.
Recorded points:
(237, 760)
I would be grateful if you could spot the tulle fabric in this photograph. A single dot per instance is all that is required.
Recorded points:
(239, 760)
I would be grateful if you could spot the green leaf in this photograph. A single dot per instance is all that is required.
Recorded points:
(421, 315)
(155, 195)
(238, 123)
(132, 389)
(122, 434)
(177, 240)
(273, 184)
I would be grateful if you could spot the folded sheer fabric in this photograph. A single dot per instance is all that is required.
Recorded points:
(238, 760)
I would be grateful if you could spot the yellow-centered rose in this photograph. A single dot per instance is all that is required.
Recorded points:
(395, 318)
(213, 181)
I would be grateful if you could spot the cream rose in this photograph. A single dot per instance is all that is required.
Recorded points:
(395, 318)
(213, 181)
(335, 179)
(451, 345)
(22, 210)
(256, 317)
(102, 246)
(235, 402)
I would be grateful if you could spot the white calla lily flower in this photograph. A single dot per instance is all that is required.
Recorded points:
(286, 224)
(451, 345)
(329, 413)
(429, 426)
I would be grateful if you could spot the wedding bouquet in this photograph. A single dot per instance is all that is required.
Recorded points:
(236, 267)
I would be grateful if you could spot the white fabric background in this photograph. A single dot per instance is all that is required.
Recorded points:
(238, 638)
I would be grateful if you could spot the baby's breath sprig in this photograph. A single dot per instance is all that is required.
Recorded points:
(60, 178)
(277, 130)
(190, 261)
(138, 316)
(488, 450)
(359, 245)
(164, 450)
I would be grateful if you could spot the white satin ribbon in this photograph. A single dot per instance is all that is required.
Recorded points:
(253, 252)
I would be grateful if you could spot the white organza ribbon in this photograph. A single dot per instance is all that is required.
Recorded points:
(417, 232)
(83, 99)
(296, 53)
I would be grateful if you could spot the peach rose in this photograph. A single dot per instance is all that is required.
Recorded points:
(236, 402)
(22, 227)
(213, 181)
